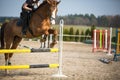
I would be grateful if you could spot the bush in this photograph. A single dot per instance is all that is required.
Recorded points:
(71, 32)
(65, 38)
(77, 33)
(91, 32)
(82, 38)
(87, 33)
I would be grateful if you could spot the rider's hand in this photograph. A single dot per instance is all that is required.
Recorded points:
(33, 9)
(30, 9)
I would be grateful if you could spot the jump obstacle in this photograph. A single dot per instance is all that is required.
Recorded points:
(59, 66)
(28, 50)
(117, 47)
(30, 66)
(102, 40)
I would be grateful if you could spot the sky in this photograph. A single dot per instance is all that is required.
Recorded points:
(96, 7)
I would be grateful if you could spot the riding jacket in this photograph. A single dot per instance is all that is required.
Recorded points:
(31, 4)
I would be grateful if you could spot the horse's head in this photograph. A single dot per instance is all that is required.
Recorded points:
(48, 9)
(52, 9)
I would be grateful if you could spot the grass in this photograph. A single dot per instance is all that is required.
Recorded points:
(75, 27)
(84, 28)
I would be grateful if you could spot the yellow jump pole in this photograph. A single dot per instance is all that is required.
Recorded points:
(117, 48)
(118, 42)
(28, 50)
(30, 66)
(101, 38)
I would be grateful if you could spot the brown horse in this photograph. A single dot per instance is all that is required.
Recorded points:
(39, 24)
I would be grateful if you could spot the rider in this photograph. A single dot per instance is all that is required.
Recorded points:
(27, 8)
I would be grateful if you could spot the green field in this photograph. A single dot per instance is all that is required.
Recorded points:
(83, 28)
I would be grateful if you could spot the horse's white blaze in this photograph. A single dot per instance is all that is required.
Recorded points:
(54, 13)
(53, 16)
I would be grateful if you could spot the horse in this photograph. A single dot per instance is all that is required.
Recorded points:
(39, 24)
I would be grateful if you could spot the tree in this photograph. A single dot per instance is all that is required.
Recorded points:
(93, 20)
(87, 33)
(82, 38)
(65, 38)
(0, 24)
(71, 32)
(103, 21)
(77, 33)
(91, 31)
(116, 21)
(7, 20)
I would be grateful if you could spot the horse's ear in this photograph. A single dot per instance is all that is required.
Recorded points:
(49, 1)
(58, 2)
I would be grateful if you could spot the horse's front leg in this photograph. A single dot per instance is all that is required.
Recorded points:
(55, 36)
(42, 41)
(54, 41)
(45, 39)
(48, 40)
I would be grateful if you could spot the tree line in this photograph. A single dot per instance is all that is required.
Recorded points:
(80, 19)
(4, 19)
(89, 20)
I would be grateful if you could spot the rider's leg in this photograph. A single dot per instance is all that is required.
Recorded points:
(25, 22)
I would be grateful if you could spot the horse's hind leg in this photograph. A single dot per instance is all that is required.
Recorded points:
(6, 58)
(16, 42)
(8, 44)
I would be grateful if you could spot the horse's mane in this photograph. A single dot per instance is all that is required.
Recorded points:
(41, 5)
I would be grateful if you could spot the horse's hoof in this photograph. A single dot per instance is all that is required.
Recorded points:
(52, 44)
(9, 63)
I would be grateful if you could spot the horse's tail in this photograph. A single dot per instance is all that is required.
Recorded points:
(2, 35)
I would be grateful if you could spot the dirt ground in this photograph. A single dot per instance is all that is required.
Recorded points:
(79, 63)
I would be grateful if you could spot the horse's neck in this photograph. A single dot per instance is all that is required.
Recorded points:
(40, 21)
(44, 11)
(41, 15)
